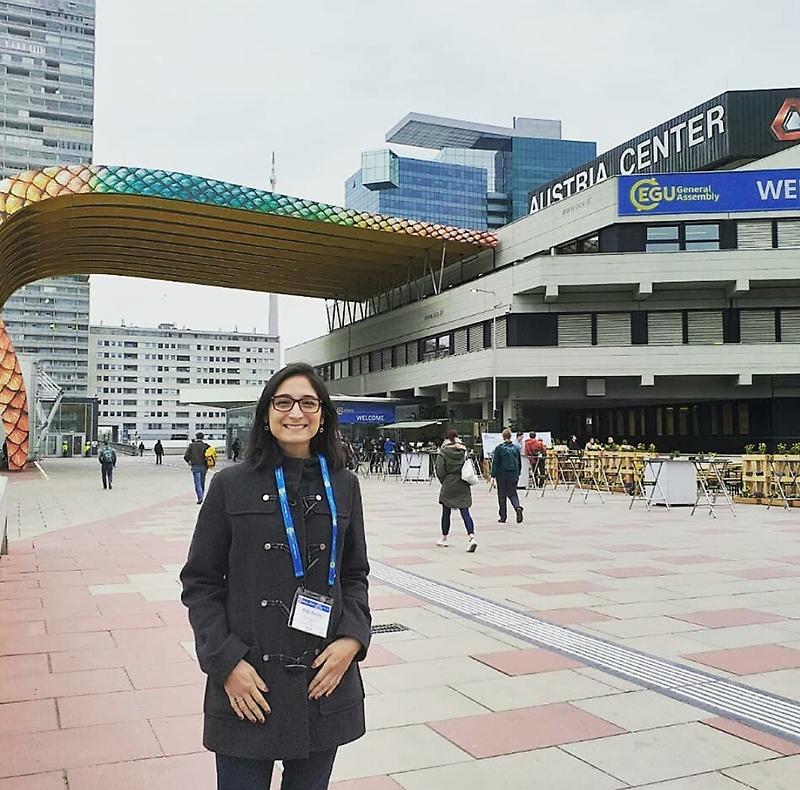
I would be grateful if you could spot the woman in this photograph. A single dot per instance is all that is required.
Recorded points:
(506, 468)
(276, 587)
(455, 493)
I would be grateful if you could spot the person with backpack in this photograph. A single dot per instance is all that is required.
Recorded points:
(158, 451)
(455, 491)
(195, 456)
(506, 469)
(108, 460)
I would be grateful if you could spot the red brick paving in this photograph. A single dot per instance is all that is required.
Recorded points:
(572, 616)
(379, 656)
(504, 570)
(527, 662)
(758, 737)
(372, 783)
(493, 734)
(749, 660)
(725, 618)
(49, 781)
(636, 572)
(563, 588)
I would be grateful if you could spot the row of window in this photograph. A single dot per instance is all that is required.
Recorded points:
(655, 328)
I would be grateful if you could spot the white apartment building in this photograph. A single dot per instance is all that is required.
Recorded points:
(137, 373)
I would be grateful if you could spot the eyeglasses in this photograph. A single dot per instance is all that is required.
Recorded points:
(291, 663)
(308, 405)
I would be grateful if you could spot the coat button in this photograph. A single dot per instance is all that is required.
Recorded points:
(316, 652)
(322, 547)
(319, 497)
(265, 658)
(263, 603)
(265, 498)
(267, 546)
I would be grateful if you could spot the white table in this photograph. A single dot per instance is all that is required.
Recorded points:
(670, 481)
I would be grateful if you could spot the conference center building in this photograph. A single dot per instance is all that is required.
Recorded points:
(653, 294)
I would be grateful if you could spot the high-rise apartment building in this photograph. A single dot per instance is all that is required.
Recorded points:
(46, 83)
(481, 175)
(49, 321)
(46, 114)
(137, 373)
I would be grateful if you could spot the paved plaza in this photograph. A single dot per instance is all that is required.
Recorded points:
(589, 648)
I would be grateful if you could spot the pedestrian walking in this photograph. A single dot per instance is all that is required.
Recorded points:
(141, 449)
(158, 451)
(235, 449)
(506, 468)
(64, 449)
(282, 663)
(455, 493)
(195, 456)
(108, 460)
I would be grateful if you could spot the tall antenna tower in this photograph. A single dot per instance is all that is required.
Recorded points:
(273, 178)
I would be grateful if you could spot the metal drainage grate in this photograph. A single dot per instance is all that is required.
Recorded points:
(387, 628)
(752, 706)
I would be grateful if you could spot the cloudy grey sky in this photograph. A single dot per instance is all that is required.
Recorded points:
(211, 88)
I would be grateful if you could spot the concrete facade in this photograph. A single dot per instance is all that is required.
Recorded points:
(532, 273)
(137, 374)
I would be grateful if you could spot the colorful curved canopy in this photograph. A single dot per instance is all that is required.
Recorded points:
(95, 219)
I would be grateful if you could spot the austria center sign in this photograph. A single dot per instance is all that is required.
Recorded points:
(699, 193)
(734, 127)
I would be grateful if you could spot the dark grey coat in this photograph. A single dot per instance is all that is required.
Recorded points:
(455, 492)
(238, 563)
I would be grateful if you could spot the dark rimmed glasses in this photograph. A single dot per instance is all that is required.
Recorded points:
(291, 663)
(308, 404)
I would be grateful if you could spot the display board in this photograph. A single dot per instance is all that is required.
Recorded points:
(491, 440)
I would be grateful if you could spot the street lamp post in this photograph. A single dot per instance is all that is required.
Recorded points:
(494, 346)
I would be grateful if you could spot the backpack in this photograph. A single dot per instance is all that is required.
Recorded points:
(106, 456)
(211, 458)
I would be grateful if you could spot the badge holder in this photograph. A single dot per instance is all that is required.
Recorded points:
(311, 613)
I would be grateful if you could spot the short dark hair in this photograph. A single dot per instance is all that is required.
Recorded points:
(263, 451)
(532, 434)
(199, 435)
(451, 435)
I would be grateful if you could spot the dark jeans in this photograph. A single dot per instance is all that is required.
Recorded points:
(199, 476)
(107, 473)
(507, 489)
(466, 517)
(313, 773)
(159, 456)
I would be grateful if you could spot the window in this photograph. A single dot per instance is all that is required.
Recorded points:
(662, 238)
(702, 237)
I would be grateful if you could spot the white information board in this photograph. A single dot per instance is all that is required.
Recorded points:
(491, 440)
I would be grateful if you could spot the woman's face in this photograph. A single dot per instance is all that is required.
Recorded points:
(294, 429)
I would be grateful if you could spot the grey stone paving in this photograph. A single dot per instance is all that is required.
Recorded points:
(628, 576)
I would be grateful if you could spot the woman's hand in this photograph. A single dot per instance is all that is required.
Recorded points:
(333, 662)
(243, 687)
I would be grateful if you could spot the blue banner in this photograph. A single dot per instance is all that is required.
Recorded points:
(702, 193)
(365, 413)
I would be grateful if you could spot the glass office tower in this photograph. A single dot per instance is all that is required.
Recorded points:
(510, 162)
(449, 194)
(46, 116)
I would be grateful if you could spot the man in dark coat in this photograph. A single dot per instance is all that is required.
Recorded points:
(506, 468)
(195, 456)
(158, 451)
(455, 492)
(240, 536)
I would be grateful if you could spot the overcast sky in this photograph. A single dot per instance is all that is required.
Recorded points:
(211, 88)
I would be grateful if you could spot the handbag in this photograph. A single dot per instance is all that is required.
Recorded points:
(468, 474)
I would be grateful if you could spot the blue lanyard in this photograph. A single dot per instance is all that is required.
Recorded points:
(288, 521)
